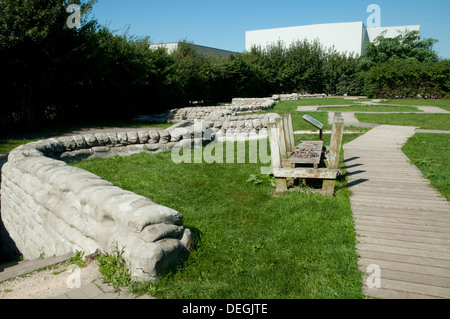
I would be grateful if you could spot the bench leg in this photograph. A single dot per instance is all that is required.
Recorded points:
(280, 185)
(328, 187)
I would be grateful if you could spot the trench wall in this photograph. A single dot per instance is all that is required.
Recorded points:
(50, 208)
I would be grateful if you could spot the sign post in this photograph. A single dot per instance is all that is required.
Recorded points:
(314, 123)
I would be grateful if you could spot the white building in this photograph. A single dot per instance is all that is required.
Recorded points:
(173, 46)
(349, 37)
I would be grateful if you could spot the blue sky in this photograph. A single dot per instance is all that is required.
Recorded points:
(222, 24)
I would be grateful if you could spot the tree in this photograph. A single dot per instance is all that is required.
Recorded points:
(36, 46)
(404, 66)
(304, 64)
(409, 79)
(342, 74)
(407, 45)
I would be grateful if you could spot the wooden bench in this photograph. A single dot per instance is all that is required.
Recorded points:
(308, 160)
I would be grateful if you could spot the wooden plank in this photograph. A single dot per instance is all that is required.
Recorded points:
(274, 147)
(405, 226)
(334, 150)
(302, 150)
(274, 138)
(404, 244)
(394, 294)
(299, 160)
(336, 141)
(408, 232)
(414, 207)
(415, 288)
(410, 268)
(401, 220)
(289, 132)
(418, 278)
(311, 145)
(28, 266)
(438, 255)
(412, 238)
(414, 260)
(280, 185)
(301, 172)
(281, 138)
(400, 200)
(382, 213)
(328, 187)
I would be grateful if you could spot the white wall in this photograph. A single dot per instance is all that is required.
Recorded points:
(391, 32)
(345, 37)
(171, 47)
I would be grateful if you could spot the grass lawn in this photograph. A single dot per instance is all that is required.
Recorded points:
(423, 121)
(297, 122)
(327, 101)
(431, 154)
(443, 103)
(372, 108)
(250, 244)
(7, 146)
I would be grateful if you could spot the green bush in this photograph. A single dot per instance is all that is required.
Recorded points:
(408, 79)
(55, 74)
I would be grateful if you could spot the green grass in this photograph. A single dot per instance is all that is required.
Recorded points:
(249, 244)
(372, 108)
(431, 154)
(7, 146)
(326, 101)
(443, 103)
(423, 121)
(298, 123)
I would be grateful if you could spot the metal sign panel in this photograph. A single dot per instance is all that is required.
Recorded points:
(313, 122)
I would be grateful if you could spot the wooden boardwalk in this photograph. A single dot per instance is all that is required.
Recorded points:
(402, 223)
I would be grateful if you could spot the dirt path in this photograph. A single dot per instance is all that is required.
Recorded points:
(48, 283)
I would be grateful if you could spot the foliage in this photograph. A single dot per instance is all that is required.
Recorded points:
(342, 74)
(405, 46)
(261, 179)
(54, 74)
(430, 153)
(78, 259)
(409, 79)
(305, 67)
(114, 269)
(405, 66)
